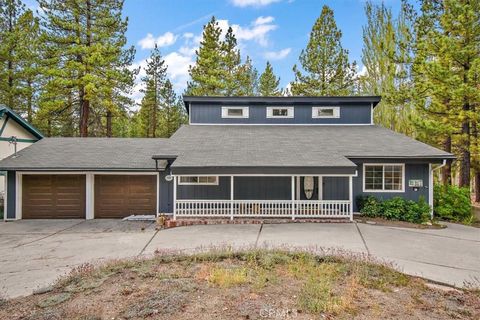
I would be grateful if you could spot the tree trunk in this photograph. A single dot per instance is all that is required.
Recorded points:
(10, 65)
(84, 113)
(447, 170)
(477, 186)
(85, 103)
(109, 123)
(465, 154)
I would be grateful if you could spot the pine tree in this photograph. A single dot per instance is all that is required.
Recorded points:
(155, 80)
(247, 79)
(447, 75)
(268, 83)
(386, 56)
(206, 75)
(325, 62)
(230, 63)
(172, 114)
(87, 60)
(19, 57)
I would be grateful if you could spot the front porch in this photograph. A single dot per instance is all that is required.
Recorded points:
(267, 196)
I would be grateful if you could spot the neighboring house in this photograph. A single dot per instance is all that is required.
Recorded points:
(15, 134)
(288, 157)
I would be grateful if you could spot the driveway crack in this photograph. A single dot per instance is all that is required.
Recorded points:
(363, 239)
(49, 235)
(148, 243)
(258, 235)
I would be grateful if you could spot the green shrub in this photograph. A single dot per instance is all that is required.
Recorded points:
(369, 206)
(452, 203)
(395, 208)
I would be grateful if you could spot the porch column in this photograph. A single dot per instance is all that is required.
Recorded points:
(430, 189)
(293, 197)
(350, 196)
(231, 197)
(174, 197)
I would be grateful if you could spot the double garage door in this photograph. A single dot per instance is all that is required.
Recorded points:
(63, 196)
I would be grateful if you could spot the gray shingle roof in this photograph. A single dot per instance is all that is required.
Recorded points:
(246, 146)
(285, 145)
(87, 154)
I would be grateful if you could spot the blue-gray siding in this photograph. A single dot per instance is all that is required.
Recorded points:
(335, 188)
(349, 114)
(417, 171)
(262, 188)
(11, 194)
(165, 194)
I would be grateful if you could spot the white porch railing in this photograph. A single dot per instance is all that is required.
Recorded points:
(263, 208)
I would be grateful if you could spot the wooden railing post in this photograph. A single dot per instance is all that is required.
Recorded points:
(293, 198)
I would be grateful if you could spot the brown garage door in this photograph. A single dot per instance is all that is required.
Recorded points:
(118, 196)
(59, 196)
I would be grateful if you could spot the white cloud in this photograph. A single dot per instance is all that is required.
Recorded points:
(263, 20)
(164, 40)
(277, 55)
(252, 3)
(258, 30)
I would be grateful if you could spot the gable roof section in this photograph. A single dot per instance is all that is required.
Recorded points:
(109, 154)
(27, 126)
(292, 147)
(289, 100)
(229, 149)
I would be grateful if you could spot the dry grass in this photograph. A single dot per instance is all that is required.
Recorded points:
(250, 284)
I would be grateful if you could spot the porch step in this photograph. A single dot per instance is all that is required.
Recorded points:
(212, 221)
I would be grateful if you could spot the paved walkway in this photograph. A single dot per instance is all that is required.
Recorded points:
(35, 253)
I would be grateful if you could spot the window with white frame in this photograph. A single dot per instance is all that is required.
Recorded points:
(325, 112)
(383, 177)
(234, 112)
(198, 180)
(280, 112)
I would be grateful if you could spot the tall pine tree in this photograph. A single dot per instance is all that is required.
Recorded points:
(268, 82)
(327, 70)
(155, 77)
(386, 56)
(206, 74)
(172, 114)
(86, 53)
(19, 57)
(447, 76)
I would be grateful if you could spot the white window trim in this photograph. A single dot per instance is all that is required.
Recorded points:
(290, 112)
(198, 183)
(336, 112)
(383, 184)
(245, 114)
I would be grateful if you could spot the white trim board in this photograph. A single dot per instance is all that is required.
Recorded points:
(281, 124)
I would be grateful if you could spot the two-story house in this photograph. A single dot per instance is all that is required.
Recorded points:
(261, 157)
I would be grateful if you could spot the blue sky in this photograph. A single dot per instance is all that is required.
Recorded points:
(274, 30)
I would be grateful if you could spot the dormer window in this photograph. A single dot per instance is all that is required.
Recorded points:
(234, 112)
(325, 112)
(279, 112)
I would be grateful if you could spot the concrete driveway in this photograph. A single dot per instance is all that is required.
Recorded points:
(33, 253)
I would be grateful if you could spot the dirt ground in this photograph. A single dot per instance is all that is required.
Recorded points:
(260, 284)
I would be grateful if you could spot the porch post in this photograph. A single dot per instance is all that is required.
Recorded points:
(231, 197)
(430, 189)
(174, 197)
(350, 196)
(293, 197)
